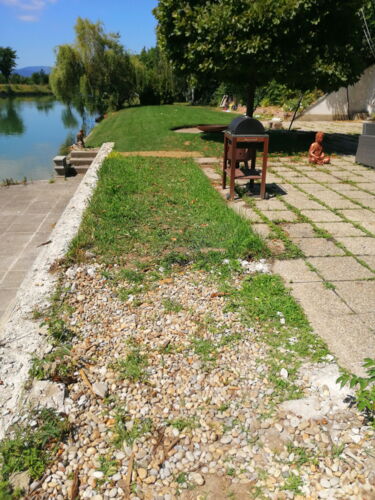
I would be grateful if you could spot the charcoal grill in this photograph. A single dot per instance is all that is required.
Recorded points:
(241, 140)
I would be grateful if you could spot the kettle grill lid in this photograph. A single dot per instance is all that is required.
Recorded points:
(245, 125)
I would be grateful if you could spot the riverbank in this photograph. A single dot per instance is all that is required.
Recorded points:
(18, 89)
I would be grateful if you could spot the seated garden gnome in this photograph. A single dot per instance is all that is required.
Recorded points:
(316, 154)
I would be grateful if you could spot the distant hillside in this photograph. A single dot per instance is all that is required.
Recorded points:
(29, 70)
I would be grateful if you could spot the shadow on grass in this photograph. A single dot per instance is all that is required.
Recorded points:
(298, 141)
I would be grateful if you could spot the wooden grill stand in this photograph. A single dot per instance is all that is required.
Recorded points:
(233, 154)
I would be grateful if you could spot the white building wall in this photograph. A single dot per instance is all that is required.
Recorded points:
(361, 98)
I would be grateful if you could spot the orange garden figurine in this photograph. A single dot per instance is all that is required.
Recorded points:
(316, 154)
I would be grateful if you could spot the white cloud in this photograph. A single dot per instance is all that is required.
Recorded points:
(28, 19)
(35, 6)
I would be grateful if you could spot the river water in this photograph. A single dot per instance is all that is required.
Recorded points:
(32, 131)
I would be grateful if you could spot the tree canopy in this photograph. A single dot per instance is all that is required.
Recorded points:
(302, 43)
(95, 71)
(8, 58)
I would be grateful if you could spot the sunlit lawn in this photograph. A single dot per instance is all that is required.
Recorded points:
(149, 128)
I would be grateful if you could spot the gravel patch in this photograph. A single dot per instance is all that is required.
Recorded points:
(199, 408)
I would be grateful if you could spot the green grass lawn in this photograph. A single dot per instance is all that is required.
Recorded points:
(149, 128)
(163, 209)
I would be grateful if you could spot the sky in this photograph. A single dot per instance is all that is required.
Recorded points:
(35, 27)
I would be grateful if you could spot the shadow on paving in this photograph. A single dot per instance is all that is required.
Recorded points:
(298, 141)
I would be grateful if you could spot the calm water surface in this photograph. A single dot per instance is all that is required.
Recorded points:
(32, 130)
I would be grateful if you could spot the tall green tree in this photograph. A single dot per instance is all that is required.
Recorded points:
(94, 71)
(156, 79)
(8, 58)
(302, 43)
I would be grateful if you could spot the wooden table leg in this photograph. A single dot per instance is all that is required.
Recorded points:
(264, 169)
(225, 161)
(232, 169)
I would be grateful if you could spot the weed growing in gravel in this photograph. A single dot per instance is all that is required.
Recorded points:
(32, 445)
(223, 407)
(293, 483)
(131, 275)
(302, 456)
(181, 478)
(172, 305)
(55, 319)
(263, 300)
(183, 423)
(133, 367)
(337, 450)
(205, 349)
(126, 430)
(109, 467)
(57, 366)
(365, 389)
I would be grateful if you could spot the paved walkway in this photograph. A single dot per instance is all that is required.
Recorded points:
(28, 214)
(329, 214)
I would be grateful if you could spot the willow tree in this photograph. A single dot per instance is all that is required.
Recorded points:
(302, 43)
(95, 71)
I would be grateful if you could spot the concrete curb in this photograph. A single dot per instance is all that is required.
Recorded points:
(20, 336)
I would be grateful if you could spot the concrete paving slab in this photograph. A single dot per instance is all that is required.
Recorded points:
(340, 268)
(359, 245)
(368, 202)
(31, 213)
(13, 243)
(294, 271)
(284, 215)
(321, 215)
(344, 188)
(316, 188)
(337, 229)
(370, 260)
(368, 186)
(272, 204)
(359, 295)
(299, 230)
(315, 298)
(340, 203)
(359, 215)
(316, 247)
(14, 278)
(6, 261)
(368, 319)
(262, 229)
(325, 178)
(357, 194)
(303, 203)
(370, 226)
(346, 336)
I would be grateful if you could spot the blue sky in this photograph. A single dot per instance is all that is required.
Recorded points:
(35, 27)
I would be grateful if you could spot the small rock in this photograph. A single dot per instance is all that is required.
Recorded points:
(100, 389)
(225, 439)
(142, 473)
(284, 373)
(196, 478)
(20, 480)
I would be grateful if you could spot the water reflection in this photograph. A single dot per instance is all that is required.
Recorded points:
(11, 122)
(68, 118)
(45, 104)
